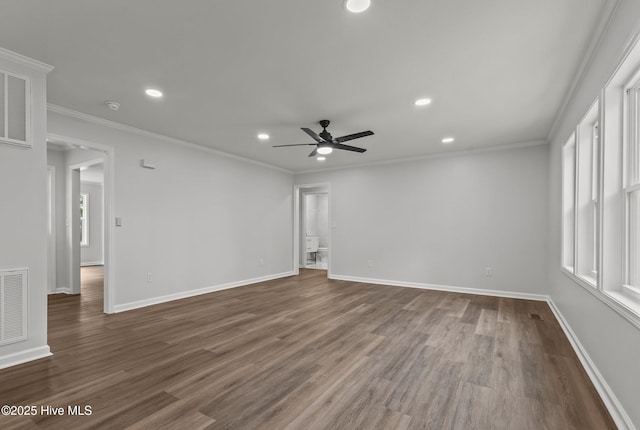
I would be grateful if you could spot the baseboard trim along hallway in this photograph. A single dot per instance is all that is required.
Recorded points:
(191, 293)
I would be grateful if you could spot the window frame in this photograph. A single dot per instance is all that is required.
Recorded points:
(630, 183)
(568, 204)
(587, 245)
(84, 219)
(4, 100)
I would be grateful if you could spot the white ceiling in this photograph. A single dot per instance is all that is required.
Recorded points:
(497, 70)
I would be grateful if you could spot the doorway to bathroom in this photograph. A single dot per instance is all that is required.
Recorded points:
(313, 232)
(315, 222)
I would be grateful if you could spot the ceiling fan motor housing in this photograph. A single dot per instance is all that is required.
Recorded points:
(324, 123)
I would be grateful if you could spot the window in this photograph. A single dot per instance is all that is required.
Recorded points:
(84, 219)
(568, 203)
(580, 199)
(601, 194)
(631, 184)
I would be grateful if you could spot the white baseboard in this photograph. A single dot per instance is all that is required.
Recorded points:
(610, 400)
(24, 356)
(92, 263)
(185, 294)
(463, 290)
(61, 290)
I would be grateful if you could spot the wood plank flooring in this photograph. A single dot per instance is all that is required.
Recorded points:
(307, 353)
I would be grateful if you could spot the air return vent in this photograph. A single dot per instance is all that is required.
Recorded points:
(13, 305)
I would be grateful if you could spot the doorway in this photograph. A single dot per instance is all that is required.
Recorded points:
(312, 227)
(315, 230)
(83, 207)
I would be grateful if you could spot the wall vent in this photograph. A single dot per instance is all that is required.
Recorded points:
(13, 305)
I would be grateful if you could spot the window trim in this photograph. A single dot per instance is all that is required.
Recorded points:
(591, 119)
(570, 142)
(84, 220)
(4, 133)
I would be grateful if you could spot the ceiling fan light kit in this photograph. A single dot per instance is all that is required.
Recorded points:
(325, 143)
(324, 150)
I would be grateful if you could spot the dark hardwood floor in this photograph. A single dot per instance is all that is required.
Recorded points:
(307, 353)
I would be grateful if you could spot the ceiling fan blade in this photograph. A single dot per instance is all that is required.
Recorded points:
(348, 148)
(295, 144)
(353, 136)
(312, 134)
(314, 153)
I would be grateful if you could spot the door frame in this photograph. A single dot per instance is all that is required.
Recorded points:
(52, 239)
(303, 221)
(73, 191)
(298, 202)
(108, 211)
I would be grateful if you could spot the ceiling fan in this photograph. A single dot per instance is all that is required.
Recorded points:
(325, 143)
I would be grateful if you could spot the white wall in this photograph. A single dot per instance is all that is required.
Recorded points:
(23, 218)
(610, 340)
(444, 220)
(198, 220)
(92, 253)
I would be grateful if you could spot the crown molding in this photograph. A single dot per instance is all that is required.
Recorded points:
(517, 145)
(602, 28)
(19, 58)
(140, 132)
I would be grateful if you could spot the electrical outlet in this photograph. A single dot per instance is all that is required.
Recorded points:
(369, 263)
(262, 261)
(149, 277)
(488, 271)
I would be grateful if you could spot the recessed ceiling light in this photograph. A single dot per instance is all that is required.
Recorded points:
(321, 158)
(151, 92)
(448, 140)
(263, 136)
(422, 102)
(324, 150)
(357, 6)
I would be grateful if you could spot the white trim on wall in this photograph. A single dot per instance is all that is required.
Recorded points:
(92, 263)
(140, 132)
(598, 35)
(448, 288)
(185, 294)
(19, 58)
(51, 236)
(25, 356)
(60, 290)
(448, 154)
